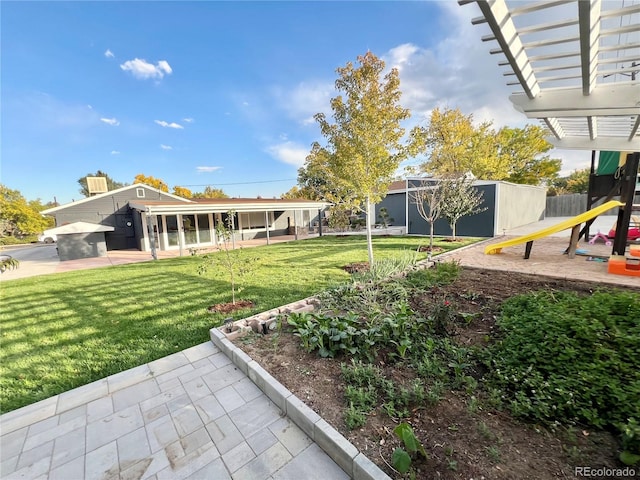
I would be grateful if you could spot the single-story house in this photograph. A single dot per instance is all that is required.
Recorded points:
(508, 205)
(146, 218)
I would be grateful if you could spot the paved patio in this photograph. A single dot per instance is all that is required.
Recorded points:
(191, 415)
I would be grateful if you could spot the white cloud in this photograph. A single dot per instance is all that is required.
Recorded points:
(143, 70)
(108, 54)
(166, 147)
(305, 100)
(162, 123)
(110, 121)
(289, 152)
(115, 152)
(207, 169)
(188, 120)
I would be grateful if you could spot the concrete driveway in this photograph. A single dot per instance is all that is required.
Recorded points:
(35, 259)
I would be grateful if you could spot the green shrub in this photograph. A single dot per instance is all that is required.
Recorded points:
(564, 358)
(442, 273)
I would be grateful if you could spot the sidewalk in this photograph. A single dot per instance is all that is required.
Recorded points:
(191, 415)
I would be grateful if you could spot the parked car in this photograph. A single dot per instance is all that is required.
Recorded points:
(47, 237)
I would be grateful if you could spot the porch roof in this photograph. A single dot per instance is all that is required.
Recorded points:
(224, 205)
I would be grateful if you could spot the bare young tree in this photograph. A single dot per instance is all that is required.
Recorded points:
(428, 200)
(459, 199)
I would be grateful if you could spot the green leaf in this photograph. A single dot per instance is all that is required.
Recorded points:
(629, 458)
(401, 460)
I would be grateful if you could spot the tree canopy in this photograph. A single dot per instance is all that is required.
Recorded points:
(111, 183)
(364, 143)
(18, 216)
(182, 192)
(152, 182)
(456, 145)
(210, 192)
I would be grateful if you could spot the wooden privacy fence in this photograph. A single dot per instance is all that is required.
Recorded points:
(574, 204)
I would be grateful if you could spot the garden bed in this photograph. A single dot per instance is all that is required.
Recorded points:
(465, 433)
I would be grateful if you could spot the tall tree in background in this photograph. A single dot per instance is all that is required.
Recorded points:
(364, 145)
(111, 183)
(456, 145)
(19, 217)
(152, 182)
(520, 150)
(578, 181)
(210, 192)
(182, 192)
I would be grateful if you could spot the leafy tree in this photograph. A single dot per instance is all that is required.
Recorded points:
(578, 181)
(292, 194)
(111, 183)
(231, 260)
(521, 149)
(182, 192)
(152, 182)
(459, 198)
(455, 144)
(210, 192)
(19, 217)
(365, 144)
(429, 201)
(7, 262)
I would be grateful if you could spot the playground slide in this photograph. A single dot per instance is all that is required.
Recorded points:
(569, 223)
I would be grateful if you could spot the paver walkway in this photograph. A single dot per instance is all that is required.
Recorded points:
(191, 415)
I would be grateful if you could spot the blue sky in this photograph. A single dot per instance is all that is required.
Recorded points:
(216, 93)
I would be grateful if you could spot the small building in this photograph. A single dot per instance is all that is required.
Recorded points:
(81, 240)
(143, 217)
(507, 205)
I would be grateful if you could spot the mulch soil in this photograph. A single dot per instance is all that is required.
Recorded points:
(461, 442)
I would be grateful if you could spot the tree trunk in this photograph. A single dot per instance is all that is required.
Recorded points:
(430, 241)
(369, 243)
(453, 231)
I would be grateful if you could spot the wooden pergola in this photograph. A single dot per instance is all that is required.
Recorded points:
(576, 64)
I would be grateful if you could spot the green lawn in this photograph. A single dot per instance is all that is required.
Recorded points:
(65, 330)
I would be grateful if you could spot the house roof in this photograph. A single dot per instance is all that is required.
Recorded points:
(579, 74)
(222, 205)
(111, 192)
(397, 185)
(79, 227)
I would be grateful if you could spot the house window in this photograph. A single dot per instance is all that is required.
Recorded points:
(253, 220)
(140, 192)
(204, 231)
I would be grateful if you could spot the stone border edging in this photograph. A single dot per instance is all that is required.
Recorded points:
(343, 452)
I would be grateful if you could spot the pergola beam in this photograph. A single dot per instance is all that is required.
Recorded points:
(593, 127)
(589, 18)
(554, 126)
(502, 26)
(634, 129)
(606, 99)
(615, 144)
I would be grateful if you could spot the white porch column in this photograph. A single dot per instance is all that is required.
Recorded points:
(266, 222)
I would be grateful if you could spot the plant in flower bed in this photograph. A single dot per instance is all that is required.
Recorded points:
(559, 359)
(424, 350)
(566, 359)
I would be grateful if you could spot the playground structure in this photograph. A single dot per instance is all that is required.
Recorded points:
(616, 176)
(586, 95)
